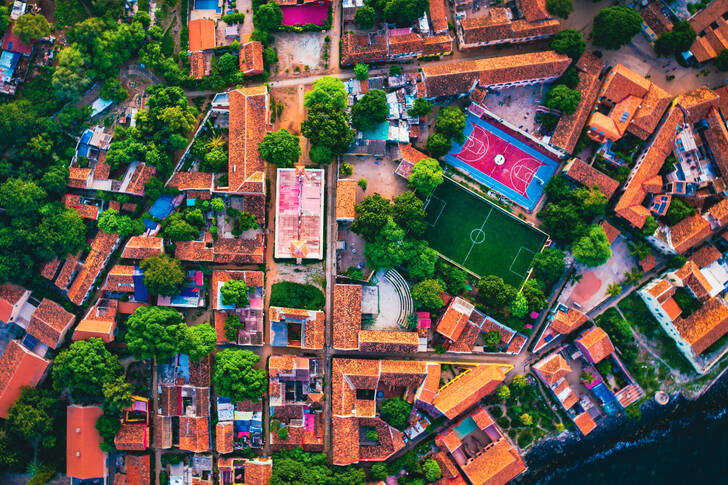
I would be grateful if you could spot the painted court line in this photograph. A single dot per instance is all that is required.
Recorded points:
(481, 228)
(522, 248)
(442, 208)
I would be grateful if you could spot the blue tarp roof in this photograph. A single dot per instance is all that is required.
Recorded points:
(140, 291)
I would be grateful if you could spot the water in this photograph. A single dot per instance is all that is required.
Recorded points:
(684, 442)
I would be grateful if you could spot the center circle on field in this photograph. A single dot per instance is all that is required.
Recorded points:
(477, 236)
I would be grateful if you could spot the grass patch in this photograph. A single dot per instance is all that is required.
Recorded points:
(296, 295)
(478, 235)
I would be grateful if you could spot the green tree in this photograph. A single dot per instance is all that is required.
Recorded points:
(34, 417)
(425, 176)
(69, 79)
(85, 366)
(421, 263)
(453, 277)
(438, 145)
(163, 275)
(503, 392)
(372, 214)
(178, 119)
(675, 41)
(549, 265)
(519, 382)
(409, 213)
(615, 26)
(280, 147)
(421, 107)
(5, 19)
(270, 56)
(155, 332)
(268, 17)
(328, 91)
(450, 123)
(320, 155)
(31, 26)
(396, 412)
(614, 290)
(560, 8)
(491, 339)
(426, 294)
(329, 128)
(593, 249)
(526, 419)
(378, 471)
(117, 395)
(432, 470)
(236, 377)
(677, 211)
(404, 12)
(228, 63)
(533, 292)
(721, 60)
(639, 249)
(233, 325)
(388, 248)
(569, 78)
(108, 426)
(113, 90)
(54, 179)
(395, 70)
(650, 226)
(112, 223)
(20, 197)
(495, 292)
(365, 17)
(361, 72)
(519, 306)
(176, 228)
(369, 110)
(563, 98)
(246, 221)
(235, 292)
(199, 341)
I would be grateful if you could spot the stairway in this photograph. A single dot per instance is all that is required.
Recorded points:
(407, 306)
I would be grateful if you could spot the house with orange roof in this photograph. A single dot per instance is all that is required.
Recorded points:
(292, 327)
(136, 471)
(13, 300)
(409, 157)
(133, 434)
(81, 206)
(251, 58)
(456, 79)
(251, 315)
(299, 228)
(711, 27)
(467, 388)
(589, 176)
(101, 248)
(143, 247)
(552, 369)
(296, 400)
(476, 448)
(84, 458)
(19, 367)
(248, 123)
(594, 344)
(627, 102)
(231, 470)
(49, 323)
(345, 200)
(99, 322)
(201, 45)
(562, 320)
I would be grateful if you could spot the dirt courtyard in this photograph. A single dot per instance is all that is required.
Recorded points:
(379, 175)
(293, 112)
(517, 105)
(299, 50)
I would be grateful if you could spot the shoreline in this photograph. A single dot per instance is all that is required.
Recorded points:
(558, 455)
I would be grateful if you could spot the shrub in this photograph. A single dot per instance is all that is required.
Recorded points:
(296, 295)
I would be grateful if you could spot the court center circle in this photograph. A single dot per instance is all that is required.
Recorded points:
(477, 236)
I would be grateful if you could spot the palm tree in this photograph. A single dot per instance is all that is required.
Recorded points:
(639, 249)
(632, 276)
(614, 290)
(215, 142)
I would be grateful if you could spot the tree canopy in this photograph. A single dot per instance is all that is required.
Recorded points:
(30, 26)
(34, 416)
(236, 377)
(395, 412)
(163, 275)
(328, 91)
(495, 292)
(361, 72)
(438, 145)
(235, 292)
(328, 128)
(592, 249)
(369, 110)
(569, 42)
(549, 265)
(677, 211)
(409, 213)
(111, 222)
(154, 331)
(372, 214)
(615, 26)
(677, 40)
(426, 294)
(563, 98)
(560, 8)
(268, 17)
(421, 107)
(450, 123)
(365, 17)
(280, 147)
(199, 341)
(85, 366)
(425, 176)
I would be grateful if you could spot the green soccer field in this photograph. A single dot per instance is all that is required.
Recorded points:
(479, 236)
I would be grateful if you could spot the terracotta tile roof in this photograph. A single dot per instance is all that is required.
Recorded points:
(552, 368)
(224, 437)
(567, 322)
(49, 268)
(454, 319)
(496, 465)
(201, 34)
(689, 232)
(468, 388)
(648, 263)
(720, 211)
(590, 176)
(533, 10)
(565, 394)
(138, 469)
(467, 339)
(672, 309)
(447, 466)
(436, 45)
(516, 344)
(100, 321)
(611, 232)
(431, 384)
(723, 102)
(78, 177)
(345, 199)
(194, 434)
(140, 177)
(132, 437)
(253, 279)
(70, 266)
(405, 44)
(595, 342)
(199, 66)
(10, 296)
(251, 58)
(570, 126)
(454, 78)
(87, 211)
(345, 440)
(384, 341)
(691, 276)
(490, 325)
(705, 256)
(314, 337)
(656, 19)
(347, 316)
(142, 247)
(49, 323)
(192, 181)
(101, 248)
(652, 107)
(224, 250)
(247, 128)
(364, 48)
(84, 458)
(19, 367)
(258, 471)
(162, 431)
(712, 37)
(438, 16)
(585, 423)
(662, 290)
(120, 279)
